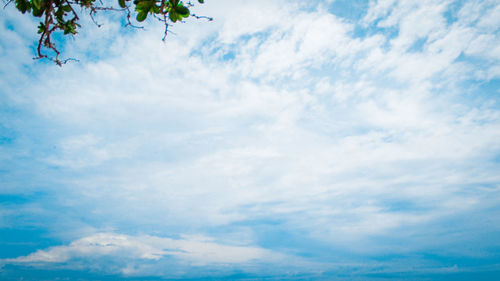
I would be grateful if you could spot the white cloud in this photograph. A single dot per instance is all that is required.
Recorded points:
(377, 10)
(192, 249)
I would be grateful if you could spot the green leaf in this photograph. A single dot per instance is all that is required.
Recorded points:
(59, 14)
(66, 8)
(41, 28)
(173, 16)
(141, 16)
(23, 6)
(201, 1)
(36, 4)
(37, 12)
(144, 6)
(182, 10)
(122, 3)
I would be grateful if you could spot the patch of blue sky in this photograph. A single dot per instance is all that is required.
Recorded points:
(27, 273)
(476, 93)
(22, 171)
(23, 230)
(417, 46)
(489, 90)
(19, 199)
(439, 274)
(20, 241)
(211, 48)
(276, 232)
(474, 59)
(15, 272)
(6, 136)
(352, 12)
(404, 205)
(451, 13)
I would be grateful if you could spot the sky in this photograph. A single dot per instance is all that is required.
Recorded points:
(285, 140)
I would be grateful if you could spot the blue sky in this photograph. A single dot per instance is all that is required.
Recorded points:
(346, 140)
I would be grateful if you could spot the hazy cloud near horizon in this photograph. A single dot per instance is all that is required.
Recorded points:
(280, 140)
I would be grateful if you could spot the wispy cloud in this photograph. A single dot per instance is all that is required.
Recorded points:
(195, 250)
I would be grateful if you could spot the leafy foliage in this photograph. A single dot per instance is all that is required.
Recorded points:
(60, 15)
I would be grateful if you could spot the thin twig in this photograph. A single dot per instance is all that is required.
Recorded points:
(129, 23)
(166, 27)
(202, 17)
(6, 4)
